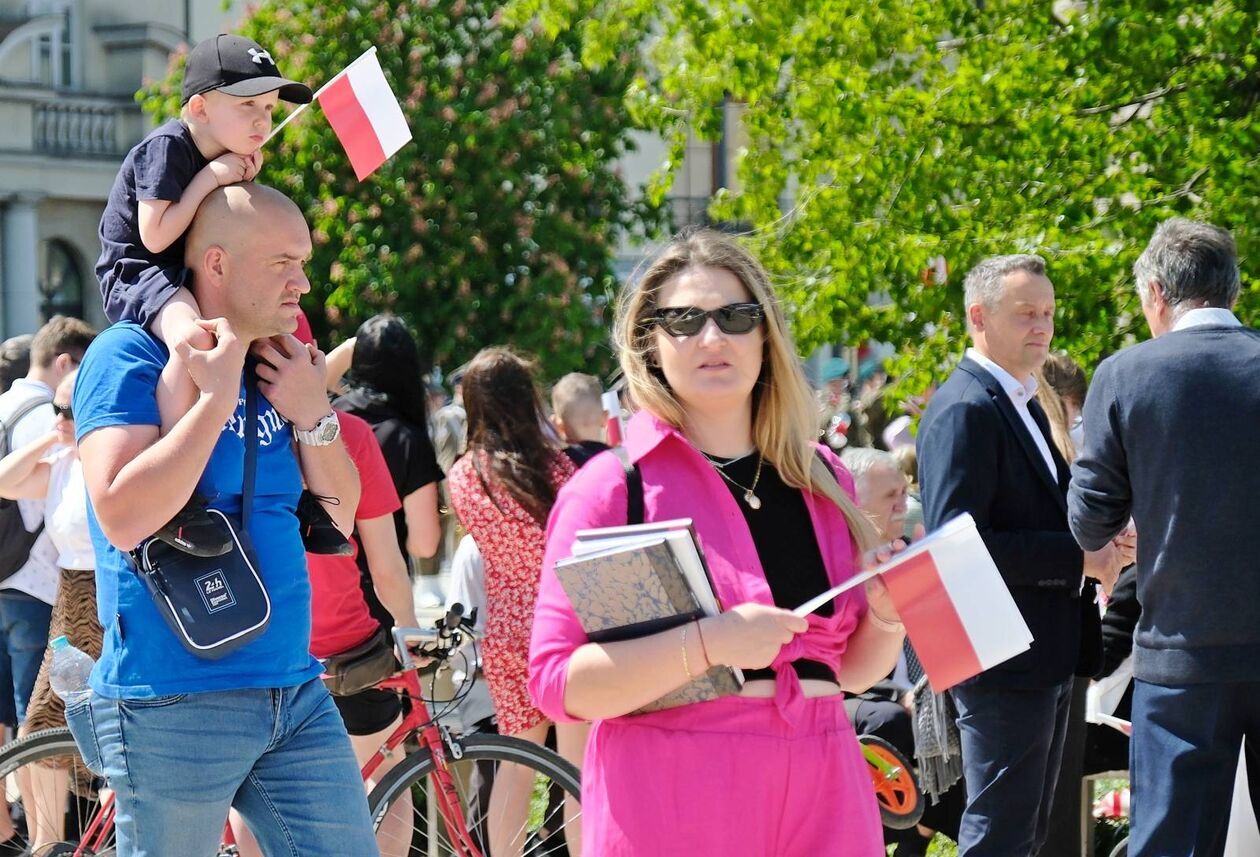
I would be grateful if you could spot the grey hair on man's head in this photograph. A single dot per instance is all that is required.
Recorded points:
(1192, 261)
(861, 460)
(983, 284)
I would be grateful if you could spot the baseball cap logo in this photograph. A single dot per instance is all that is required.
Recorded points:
(257, 56)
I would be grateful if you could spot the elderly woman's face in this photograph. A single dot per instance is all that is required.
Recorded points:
(709, 369)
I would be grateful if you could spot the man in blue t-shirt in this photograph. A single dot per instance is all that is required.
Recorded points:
(180, 738)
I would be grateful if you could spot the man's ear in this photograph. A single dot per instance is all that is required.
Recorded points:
(1156, 290)
(63, 363)
(214, 265)
(975, 316)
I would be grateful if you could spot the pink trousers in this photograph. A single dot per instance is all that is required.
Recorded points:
(731, 778)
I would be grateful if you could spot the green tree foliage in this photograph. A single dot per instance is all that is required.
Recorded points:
(500, 221)
(884, 133)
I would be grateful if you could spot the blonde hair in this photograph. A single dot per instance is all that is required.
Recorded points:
(1058, 380)
(784, 417)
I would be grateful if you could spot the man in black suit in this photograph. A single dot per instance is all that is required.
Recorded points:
(985, 448)
(1170, 439)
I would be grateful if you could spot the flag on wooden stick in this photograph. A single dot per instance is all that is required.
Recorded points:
(958, 613)
(363, 112)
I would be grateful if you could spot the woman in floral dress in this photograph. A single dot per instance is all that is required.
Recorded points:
(502, 491)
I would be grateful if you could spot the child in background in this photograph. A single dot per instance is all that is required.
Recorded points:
(577, 412)
(231, 86)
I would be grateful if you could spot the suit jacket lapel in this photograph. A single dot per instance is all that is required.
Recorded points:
(1060, 465)
(1007, 409)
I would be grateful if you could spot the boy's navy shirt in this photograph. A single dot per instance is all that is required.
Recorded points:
(136, 283)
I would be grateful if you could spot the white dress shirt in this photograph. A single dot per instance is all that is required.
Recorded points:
(1020, 393)
(1207, 316)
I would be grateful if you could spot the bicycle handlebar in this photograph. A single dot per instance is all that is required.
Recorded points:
(437, 643)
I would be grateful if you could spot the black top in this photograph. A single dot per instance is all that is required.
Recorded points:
(783, 534)
(407, 449)
(161, 166)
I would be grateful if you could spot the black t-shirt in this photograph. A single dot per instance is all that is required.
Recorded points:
(584, 450)
(407, 449)
(783, 533)
(160, 166)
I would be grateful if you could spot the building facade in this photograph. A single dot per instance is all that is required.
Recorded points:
(69, 70)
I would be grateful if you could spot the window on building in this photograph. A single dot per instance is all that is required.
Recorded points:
(52, 54)
(61, 285)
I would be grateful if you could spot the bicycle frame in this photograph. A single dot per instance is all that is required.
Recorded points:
(430, 736)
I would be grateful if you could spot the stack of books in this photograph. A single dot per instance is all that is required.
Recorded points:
(632, 581)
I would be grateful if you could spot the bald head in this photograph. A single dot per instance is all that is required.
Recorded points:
(231, 216)
(247, 249)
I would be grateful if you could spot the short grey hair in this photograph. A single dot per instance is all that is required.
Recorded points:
(1192, 261)
(983, 284)
(861, 460)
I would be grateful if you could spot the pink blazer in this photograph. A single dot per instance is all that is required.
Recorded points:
(678, 482)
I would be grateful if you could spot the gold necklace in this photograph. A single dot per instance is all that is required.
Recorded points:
(753, 501)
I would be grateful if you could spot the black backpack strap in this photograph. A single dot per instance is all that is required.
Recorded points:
(634, 487)
(10, 424)
(251, 444)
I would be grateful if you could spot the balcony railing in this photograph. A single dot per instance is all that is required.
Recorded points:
(70, 128)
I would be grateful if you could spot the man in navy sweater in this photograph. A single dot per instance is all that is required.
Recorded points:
(1170, 439)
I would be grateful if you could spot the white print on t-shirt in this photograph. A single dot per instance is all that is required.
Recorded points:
(270, 423)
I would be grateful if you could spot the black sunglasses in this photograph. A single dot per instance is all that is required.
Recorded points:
(62, 411)
(690, 320)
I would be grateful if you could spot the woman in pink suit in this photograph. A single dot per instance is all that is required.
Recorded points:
(724, 436)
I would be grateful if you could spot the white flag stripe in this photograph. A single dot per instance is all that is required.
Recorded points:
(379, 104)
(984, 605)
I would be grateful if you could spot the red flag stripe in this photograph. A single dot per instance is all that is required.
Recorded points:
(939, 636)
(352, 127)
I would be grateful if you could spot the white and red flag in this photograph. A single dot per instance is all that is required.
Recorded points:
(958, 613)
(364, 114)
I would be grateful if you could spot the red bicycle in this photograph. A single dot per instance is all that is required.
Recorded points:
(433, 803)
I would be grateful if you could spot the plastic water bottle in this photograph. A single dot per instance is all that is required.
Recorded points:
(69, 673)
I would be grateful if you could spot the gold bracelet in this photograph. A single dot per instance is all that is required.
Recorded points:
(884, 624)
(704, 650)
(686, 666)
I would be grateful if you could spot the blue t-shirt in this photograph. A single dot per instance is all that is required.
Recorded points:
(136, 282)
(141, 657)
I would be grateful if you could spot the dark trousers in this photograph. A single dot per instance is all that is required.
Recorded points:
(1064, 837)
(1184, 757)
(1012, 743)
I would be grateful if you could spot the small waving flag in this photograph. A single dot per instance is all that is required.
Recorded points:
(364, 114)
(958, 613)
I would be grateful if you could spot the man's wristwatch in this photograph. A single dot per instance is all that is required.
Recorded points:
(325, 431)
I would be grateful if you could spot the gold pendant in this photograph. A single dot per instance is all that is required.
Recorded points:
(753, 501)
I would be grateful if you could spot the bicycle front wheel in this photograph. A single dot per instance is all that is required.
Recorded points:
(53, 799)
(421, 812)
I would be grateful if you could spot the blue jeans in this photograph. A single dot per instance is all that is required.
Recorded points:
(24, 623)
(1012, 744)
(177, 763)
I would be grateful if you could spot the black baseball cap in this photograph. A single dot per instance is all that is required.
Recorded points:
(238, 66)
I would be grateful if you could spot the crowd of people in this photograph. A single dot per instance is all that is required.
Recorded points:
(206, 412)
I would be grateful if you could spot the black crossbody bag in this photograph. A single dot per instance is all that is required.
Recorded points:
(213, 605)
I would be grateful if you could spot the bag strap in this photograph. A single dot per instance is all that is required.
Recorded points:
(251, 443)
(10, 424)
(634, 486)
